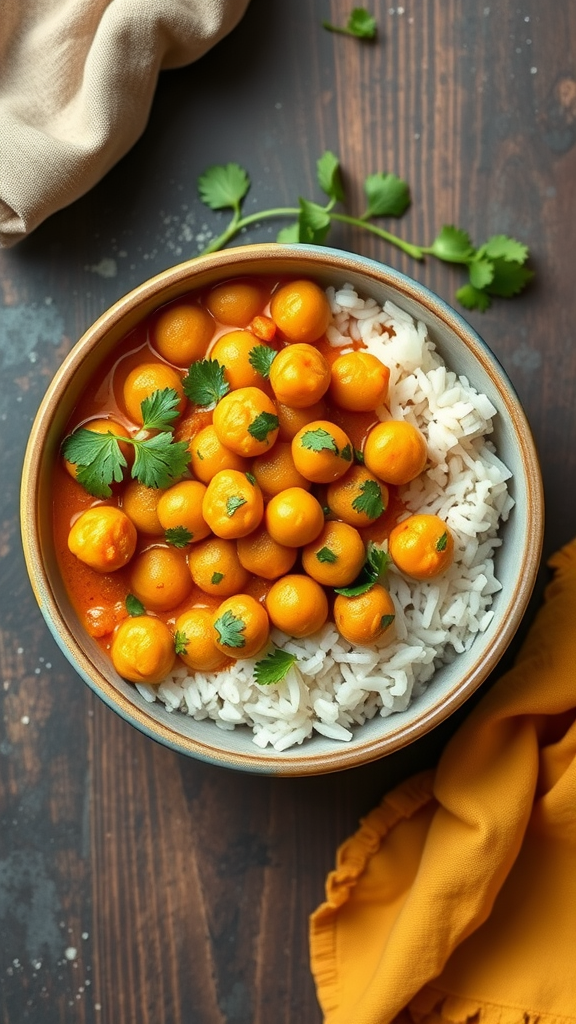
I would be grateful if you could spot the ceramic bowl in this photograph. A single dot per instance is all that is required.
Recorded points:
(517, 559)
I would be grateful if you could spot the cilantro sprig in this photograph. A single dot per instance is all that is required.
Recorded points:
(497, 268)
(360, 24)
(273, 667)
(376, 564)
(369, 500)
(230, 629)
(158, 460)
(133, 606)
(261, 358)
(205, 383)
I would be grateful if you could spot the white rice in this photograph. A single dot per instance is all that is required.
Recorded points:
(335, 687)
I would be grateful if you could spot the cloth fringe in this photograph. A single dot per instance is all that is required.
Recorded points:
(431, 1006)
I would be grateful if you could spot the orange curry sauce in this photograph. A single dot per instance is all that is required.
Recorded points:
(98, 598)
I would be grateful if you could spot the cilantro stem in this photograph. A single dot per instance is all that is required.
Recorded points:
(411, 250)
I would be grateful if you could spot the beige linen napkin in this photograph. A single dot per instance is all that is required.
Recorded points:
(77, 79)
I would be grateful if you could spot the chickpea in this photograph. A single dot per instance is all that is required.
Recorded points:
(260, 554)
(395, 451)
(209, 456)
(336, 556)
(297, 605)
(359, 382)
(182, 333)
(322, 452)
(358, 498)
(293, 517)
(422, 546)
(143, 381)
(292, 420)
(246, 422)
(215, 567)
(235, 302)
(201, 654)
(365, 618)
(181, 505)
(232, 506)
(241, 627)
(103, 537)
(301, 311)
(140, 504)
(143, 650)
(275, 470)
(159, 578)
(232, 351)
(299, 376)
(103, 426)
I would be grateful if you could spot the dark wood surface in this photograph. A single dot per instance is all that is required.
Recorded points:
(185, 889)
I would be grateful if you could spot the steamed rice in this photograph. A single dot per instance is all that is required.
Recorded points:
(335, 687)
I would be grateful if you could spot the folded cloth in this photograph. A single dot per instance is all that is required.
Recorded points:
(456, 899)
(77, 79)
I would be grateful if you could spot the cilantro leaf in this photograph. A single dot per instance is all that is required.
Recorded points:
(326, 510)
(319, 440)
(360, 24)
(510, 277)
(442, 542)
(134, 606)
(205, 383)
(263, 425)
(98, 458)
(346, 453)
(217, 578)
(223, 186)
(451, 245)
(326, 555)
(473, 298)
(180, 642)
(178, 536)
(358, 456)
(369, 501)
(386, 621)
(289, 234)
(273, 667)
(329, 176)
(502, 247)
(233, 503)
(159, 409)
(376, 564)
(481, 273)
(388, 196)
(159, 460)
(229, 628)
(261, 358)
(251, 479)
(313, 222)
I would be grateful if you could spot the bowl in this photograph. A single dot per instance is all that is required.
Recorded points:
(517, 559)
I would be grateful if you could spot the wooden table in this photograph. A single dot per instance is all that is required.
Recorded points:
(137, 885)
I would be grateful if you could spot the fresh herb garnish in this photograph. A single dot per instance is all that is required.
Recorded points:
(273, 667)
(442, 542)
(180, 642)
(205, 383)
(178, 536)
(386, 621)
(263, 425)
(326, 555)
(134, 606)
(360, 24)
(229, 628)
(358, 457)
(233, 503)
(261, 358)
(319, 440)
(251, 479)
(376, 564)
(326, 510)
(346, 453)
(158, 460)
(217, 578)
(496, 268)
(369, 501)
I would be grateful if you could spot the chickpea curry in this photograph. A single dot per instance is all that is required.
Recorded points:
(229, 471)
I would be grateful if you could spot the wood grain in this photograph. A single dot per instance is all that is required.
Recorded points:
(137, 886)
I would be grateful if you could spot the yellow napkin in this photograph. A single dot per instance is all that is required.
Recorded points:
(456, 899)
(76, 85)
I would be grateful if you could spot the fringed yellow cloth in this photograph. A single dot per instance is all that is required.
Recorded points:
(456, 900)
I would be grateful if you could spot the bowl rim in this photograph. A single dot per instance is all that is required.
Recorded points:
(320, 259)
